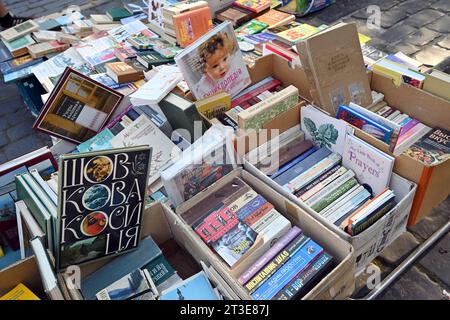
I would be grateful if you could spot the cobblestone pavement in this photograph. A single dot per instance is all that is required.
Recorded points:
(419, 28)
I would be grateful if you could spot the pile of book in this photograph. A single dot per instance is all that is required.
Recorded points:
(240, 225)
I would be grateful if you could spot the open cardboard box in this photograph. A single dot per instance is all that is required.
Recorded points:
(338, 284)
(432, 181)
(25, 271)
(372, 241)
(165, 228)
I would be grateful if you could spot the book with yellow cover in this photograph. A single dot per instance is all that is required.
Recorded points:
(191, 25)
(275, 18)
(215, 105)
(295, 35)
(399, 73)
(20, 292)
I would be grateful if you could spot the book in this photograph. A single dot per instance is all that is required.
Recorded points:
(214, 105)
(407, 139)
(191, 25)
(237, 16)
(366, 124)
(19, 47)
(275, 18)
(133, 284)
(198, 63)
(101, 19)
(324, 130)
(295, 35)
(94, 190)
(293, 266)
(154, 90)
(116, 14)
(259, 38)
(320, 184)
(398, 73)
(432, 148)
(39, 50)
(196, 287)
(371, 166)
(249, 28)
(253, 5)
(257, 115)
(348, 202)
(336, 72)
(78, 108)
(121, 72)
(19, 30)
(143, 131)
(20, 292)
(119, 267)
(437, 83)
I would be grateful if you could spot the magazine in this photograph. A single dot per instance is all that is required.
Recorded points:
(214, 63)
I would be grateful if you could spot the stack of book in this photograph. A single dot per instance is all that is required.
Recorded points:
(240, 225)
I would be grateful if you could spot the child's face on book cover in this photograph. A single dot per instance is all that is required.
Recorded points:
(217, 65)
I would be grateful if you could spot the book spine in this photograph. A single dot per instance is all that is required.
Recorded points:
(267, 86)
(298, 283)
(294, 162)
(333, 196)
(272, 252)
(276, 263)
(311, 185)
(349, 206)
(288, 271)
(410, 138)
(302, 166)
(342, 200)
(262, 217)
(314, 172)
(330, 188)
(404, 129)
(321, 184)
(359, 227)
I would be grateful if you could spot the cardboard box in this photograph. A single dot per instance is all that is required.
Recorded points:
(25, 271)
(167, 230)
(338, 284)
(432, 181)
(372, 241)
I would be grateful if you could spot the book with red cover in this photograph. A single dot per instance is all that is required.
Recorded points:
(191, 25)
(268, 86)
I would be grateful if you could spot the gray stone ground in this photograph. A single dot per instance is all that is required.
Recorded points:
(419, 28)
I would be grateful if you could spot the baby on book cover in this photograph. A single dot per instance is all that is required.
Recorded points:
(214, 63)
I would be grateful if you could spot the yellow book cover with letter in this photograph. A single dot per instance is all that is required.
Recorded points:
(20, 292)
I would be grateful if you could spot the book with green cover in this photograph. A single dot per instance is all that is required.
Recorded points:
(160, 269)
(251, 27)
(330, 198)
(116, 14)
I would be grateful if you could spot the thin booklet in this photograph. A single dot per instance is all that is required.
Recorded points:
(214, 63)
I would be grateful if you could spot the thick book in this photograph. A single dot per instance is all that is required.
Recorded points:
(214, 63)
(116, 14)
(149, 58)
(77, 108)
(96, 190)
(121, 72)
(19, 47)
(237, 16)
(19, 30)
(372, 127)
(274, 18)
(215, 105)
(399, 73)
(371, 166)
(191, 25)
(431, 149)
(334, 66)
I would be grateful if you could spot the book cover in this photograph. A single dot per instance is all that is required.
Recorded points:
(196, 287)
(214, 63)
(122, 72)
(133, 284)
(297, 34)
(336, 72)
(364, 123)
(19, 47)
(253, 5)
(275, 18)
(431, 149)
(77, 108)
(143, 131)
(214, 105)
(236, 15)
(372, 167)
(19, 30)
(20, 292)
(116, 14)
(101, 200)
(324, 130)
(251, 27)
(191, 25)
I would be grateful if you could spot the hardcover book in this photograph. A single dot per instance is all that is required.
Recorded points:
(97, 191)
(77, 108)
(214, 63)
(39, 50)
(116, 14)
(237, 16)
(336, 72)
(275, 18)
(372, 167)
(121, 72)
(19, 46)
(191, 25)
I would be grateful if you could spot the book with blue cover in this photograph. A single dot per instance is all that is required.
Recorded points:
(292, 163)
(364, 123)
(196, 287)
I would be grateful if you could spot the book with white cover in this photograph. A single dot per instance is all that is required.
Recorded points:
(143, 131)
(324, 130)
(371, 166)
(157, 87)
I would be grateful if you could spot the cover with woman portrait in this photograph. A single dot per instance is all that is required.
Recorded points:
(214, 63)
